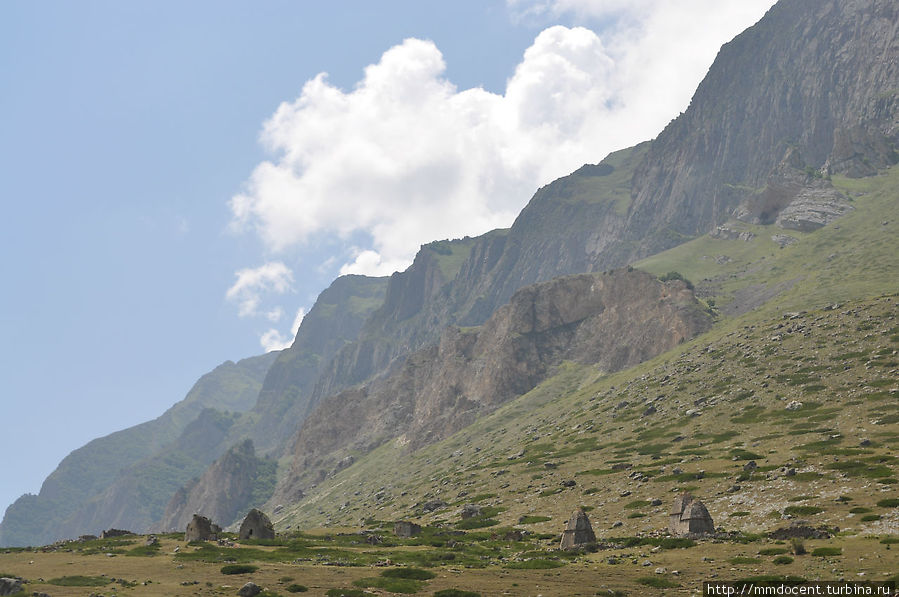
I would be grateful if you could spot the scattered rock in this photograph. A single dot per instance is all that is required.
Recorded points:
(656, 502)
(794, 405)
(256, 525)
(250, 589)
(802, 531)
(471, 511)
(10, 586)
(578, 532)
(432, 505)
(750, 466)
(568, 483)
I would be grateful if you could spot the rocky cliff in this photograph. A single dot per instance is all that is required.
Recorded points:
(808, 91)
(233, 484)
(287, 395)
(613, 320)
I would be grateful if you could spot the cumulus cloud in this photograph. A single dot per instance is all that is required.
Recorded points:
(252, 283)
(272, 339)
(405, 157)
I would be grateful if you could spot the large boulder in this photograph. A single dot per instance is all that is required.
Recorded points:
(250, 589)
(256, 525)
(10, 586)
(579, 532)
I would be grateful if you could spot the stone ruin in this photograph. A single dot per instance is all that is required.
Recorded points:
(256, 525)
(578, 532)
(689, 516)
(110, 533)
(406, 529)
(201, 528)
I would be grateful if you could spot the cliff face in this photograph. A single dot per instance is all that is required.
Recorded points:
(817, 78)
(287, 396)
(613, 320)
(811, 89)
(233, 484)
(69, 501)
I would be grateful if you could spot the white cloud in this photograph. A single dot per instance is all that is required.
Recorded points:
(405, 157)
(273, 340)
(252, 283)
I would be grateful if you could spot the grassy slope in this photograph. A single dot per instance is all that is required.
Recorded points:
(840, 361)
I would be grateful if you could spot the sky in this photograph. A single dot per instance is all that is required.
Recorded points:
(181, 179)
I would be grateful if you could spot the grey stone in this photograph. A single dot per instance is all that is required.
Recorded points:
(471, 511)
(10, 586)
(250, 589)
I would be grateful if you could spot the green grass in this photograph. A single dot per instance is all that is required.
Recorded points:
(456, 593)
(803, 510)
(295, 588)
(782, 560)
(889, 503)
(531, 519)
(827, 551)
(79, 581)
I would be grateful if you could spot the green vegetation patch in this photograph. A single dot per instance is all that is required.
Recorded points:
(889, 503)
(456, 593)
(803, 510)
(297, 588)
(827, 551)
(79, 581)
(782, 560)
(409, 573)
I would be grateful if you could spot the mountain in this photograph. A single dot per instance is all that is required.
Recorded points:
(233, 484)
(773, 191)
(91, 470)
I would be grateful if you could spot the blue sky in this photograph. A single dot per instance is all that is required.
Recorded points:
(179, 181)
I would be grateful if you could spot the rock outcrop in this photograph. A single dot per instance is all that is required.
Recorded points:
(226, 489)
(579, 532)
(613, 320)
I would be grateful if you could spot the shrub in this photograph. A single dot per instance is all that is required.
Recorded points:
(676, 276)
(297, 589)
(870, 517)
(239, 568)
(772, 551)
(889, 503)
(802, 510)
(456, 593)
(783, 560)
(860, 510)
(827, 551)
(797, 545)
(79, 581)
